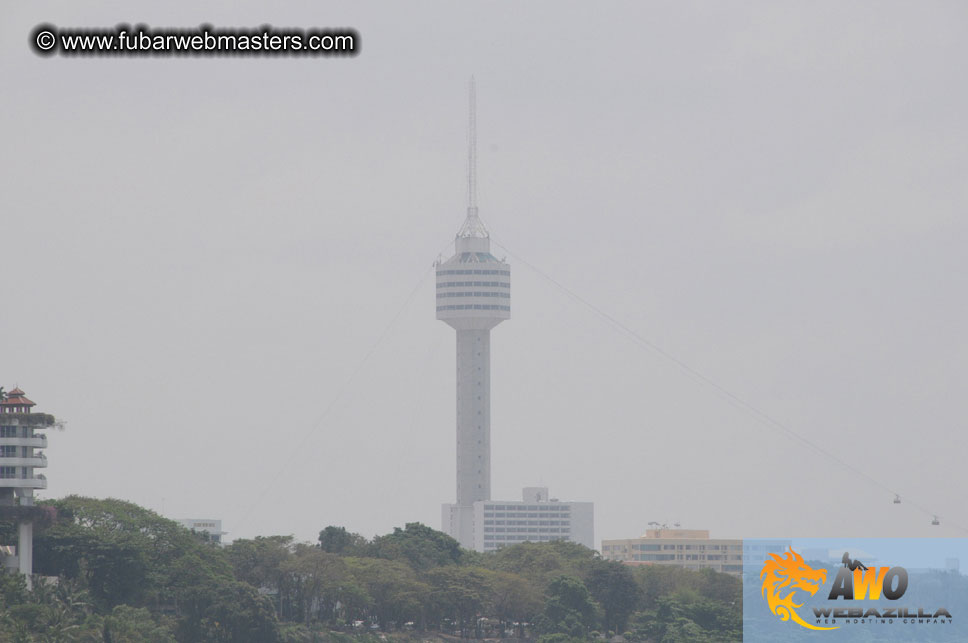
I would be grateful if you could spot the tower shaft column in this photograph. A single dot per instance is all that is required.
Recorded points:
(473, 416)
(25, 550)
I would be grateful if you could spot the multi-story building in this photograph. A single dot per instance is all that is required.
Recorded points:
(687, 548)
(20, 456)
(535, 518)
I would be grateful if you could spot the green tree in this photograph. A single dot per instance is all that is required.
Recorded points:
(13, 590)
(226, 612)
(560, 638)
(336, 540)
(540, 563)
(568, 608)
(119, 553)
(458, 593)
(317, 579)
(259, 562)
(396, 594)
(122, 553)
(133, 625)
(661, 580)
(686, 615)
(512, 599)
(613, 586)
(420, 546)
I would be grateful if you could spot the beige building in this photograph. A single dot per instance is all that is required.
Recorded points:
(686, 548)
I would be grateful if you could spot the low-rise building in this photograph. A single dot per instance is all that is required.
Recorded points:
(686, 548)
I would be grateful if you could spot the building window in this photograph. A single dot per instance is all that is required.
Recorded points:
(8, 472)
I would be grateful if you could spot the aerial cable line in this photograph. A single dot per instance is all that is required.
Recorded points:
(733, 399)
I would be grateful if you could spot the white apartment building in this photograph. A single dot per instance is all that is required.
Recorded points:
(534, 518)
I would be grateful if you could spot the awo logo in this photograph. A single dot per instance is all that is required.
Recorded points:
(856, 582)
(784, 575)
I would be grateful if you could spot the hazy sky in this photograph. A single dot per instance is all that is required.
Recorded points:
(199, 254)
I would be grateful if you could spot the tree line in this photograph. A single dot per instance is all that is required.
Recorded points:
(127, 574)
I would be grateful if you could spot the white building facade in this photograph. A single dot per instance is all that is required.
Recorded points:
(210, 527)
(21, 455)
(536, 518)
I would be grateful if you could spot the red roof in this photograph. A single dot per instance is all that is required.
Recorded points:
(16, 398)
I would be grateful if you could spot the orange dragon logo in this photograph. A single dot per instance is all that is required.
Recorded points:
(790, 572)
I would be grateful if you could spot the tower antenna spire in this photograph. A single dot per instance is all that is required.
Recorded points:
(472, 148)
(473, 227)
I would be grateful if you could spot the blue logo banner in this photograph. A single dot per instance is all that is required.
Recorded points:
(855, 589)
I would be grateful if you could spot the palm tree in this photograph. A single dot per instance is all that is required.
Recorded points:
(73, 597)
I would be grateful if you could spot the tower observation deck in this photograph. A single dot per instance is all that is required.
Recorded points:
(473, 296)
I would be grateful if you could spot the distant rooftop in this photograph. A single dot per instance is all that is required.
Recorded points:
(700, 534)
(16, 402)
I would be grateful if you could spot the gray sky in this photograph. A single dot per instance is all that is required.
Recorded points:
(199, 254)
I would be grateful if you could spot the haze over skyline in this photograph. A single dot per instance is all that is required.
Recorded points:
(201, 255)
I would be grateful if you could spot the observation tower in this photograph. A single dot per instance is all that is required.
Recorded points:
(473, 296)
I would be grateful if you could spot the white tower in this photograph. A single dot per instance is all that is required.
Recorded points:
(473, 296)
(20, 455)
